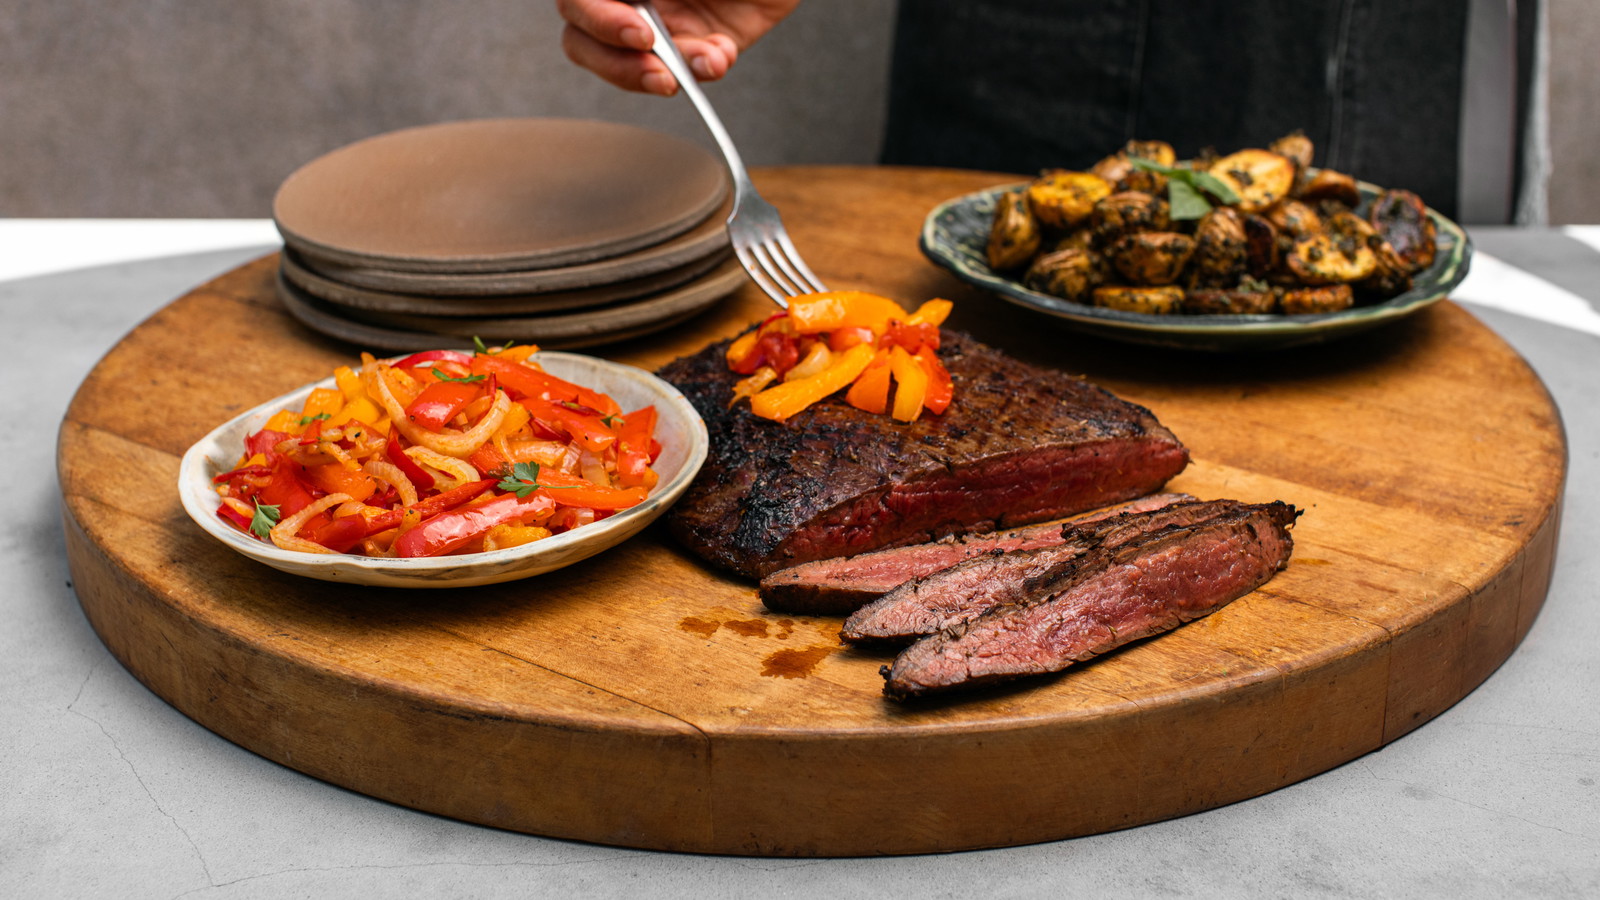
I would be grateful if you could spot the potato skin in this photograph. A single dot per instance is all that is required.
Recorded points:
(1151, 257)
(1401, 219)
(1261, 246)
(1062, 199)
(1326, 259)
(1126, 212)
(1327, 298)
(1229, 301)
(1295, 147)
(1330, 186)
(1295, 219)
(1390, 277)
(1014, 236)
(1159, 300)
(1069, 274)
(1220, 249)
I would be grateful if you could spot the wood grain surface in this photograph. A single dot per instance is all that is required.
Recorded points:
(642, 699)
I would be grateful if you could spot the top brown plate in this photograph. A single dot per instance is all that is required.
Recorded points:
(495, 195)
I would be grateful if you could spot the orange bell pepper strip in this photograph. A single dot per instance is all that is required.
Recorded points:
(336, 478)
(940, 388)
(530, 382)
(870, 393)
(570, 490)
(911, 385)
(784, 400)
(830, 310)
(633, 448)
(933, 312)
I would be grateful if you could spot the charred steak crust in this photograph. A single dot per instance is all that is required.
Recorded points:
(1114, 595)
(1021, 444)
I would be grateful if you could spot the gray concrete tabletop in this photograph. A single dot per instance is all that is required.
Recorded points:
(109, 792)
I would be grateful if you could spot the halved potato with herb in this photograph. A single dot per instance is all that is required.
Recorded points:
(1220, 248)
(1151, 257)
(1327, 298)
(1261, 246)
(1295, 219)
(1068, 274)
(1330, 185)
(1126, 212)
(1061, 199)
(1125, 176)
(1329, 259)
(1390, 277)
(1230, 301)
(1160, 300)
(1014, 235)
(1261, 178)
(1402, 219)
(1295, 147)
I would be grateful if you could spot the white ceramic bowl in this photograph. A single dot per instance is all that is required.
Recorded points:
(678, 427)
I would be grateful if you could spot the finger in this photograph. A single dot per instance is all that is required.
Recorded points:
(627, 69)
(710, 57)
(608, 22)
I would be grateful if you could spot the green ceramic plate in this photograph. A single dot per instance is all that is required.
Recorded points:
(956, 232)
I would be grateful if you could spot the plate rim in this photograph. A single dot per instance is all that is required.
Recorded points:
(1236, 331)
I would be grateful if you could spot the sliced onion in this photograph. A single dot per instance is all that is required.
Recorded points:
(457, 445)
(462, 471)
(284, 534)
(390, 474)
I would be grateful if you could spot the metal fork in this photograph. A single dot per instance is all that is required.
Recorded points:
(754, 226)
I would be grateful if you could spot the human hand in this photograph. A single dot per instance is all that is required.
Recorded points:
(611, 39)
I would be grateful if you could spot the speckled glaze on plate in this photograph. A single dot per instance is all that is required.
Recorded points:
(956, 233)
(679, 429)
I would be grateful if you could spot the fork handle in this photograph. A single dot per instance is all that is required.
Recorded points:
(663, 47)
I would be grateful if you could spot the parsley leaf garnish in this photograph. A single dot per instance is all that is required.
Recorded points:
(524, 480)
(307, 420)
(261, 523)
(465, 379)
(482, 350)
(1184, 186)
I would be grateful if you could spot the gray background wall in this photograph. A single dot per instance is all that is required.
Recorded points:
(195, 108)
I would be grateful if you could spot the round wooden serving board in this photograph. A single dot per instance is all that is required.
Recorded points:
(642, 699)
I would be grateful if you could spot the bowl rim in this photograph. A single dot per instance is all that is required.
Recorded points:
(198, 496)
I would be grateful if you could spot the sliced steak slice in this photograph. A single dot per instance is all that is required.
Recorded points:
(969, 589)
(1115, 595)
(842, 585)
(1020, 444)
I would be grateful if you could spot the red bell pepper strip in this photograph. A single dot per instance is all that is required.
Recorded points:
(449, 530)
(340, 534)
(530, 382)
(264, 441)
(420, 479)
(587, 429)
(432, 506)
(633, 448)
(285, 491)
(417, 359)
(440, 402)
(242, 472)
(487, 459)
(940, 388)
(911, 337)
(234, 517)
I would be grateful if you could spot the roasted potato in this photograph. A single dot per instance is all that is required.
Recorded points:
(1295, 147)
(1390, 277)
(1151, 257)
(1261, 246)
(1077, 239)
(1329, 298)
(1220, 249)
(1328, 185)
(1125, 176)
(1161, 301)
(1330, 259)
(1261, 178)
(1295, 219)
(1401, 219)
(1230, 301)
(1068, 274)
(1062, 199)
(1014, 236)
(1126, 212)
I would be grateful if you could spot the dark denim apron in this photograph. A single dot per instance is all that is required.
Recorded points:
(1021, 85)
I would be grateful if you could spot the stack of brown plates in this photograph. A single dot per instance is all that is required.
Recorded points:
(561, 232)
